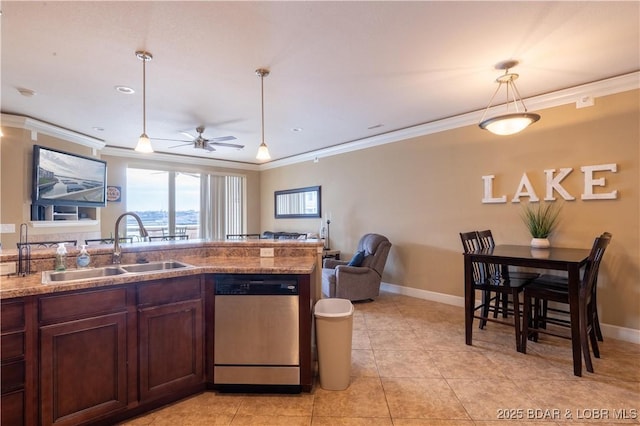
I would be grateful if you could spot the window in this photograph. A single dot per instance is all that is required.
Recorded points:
(148, 195)
(175, 203)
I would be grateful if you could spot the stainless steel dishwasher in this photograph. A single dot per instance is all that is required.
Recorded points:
(256, 330)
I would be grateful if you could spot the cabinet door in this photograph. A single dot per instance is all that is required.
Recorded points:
(171, 348)
(83, 370)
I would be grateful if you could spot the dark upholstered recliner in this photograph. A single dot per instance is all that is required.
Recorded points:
(357, 282)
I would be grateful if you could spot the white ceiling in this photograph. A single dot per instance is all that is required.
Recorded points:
(338, 69)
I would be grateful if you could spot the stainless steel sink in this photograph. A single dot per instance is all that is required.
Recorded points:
(81, 274)
(154, 266)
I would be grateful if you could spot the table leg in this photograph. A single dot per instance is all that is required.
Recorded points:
(469, 300)
(574, 310)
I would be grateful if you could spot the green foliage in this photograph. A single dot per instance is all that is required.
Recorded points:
(540, 219)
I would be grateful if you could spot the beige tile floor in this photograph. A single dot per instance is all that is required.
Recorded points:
(410, 366)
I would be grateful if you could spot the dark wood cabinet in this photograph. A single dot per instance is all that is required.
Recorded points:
(13, 364)
(170, 337)
(83, 356)
(99, 356)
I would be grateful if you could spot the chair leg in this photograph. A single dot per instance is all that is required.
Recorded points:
(486, 301)
(596, 325)
(517, 319)
(584, 342)
(505, 305)
(594, 343)
(526, 320)
(593, 333)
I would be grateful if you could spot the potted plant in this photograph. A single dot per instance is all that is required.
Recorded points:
(541, 221)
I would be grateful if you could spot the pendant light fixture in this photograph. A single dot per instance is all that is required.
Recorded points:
(516, 118)
(144, 144)
(263, 151)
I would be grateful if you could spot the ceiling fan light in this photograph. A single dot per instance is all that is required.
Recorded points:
(263, 152)
(144, 144)
(509, 124)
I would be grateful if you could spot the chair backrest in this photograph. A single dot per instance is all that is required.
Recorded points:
(242, 236)
(95, 241)
(471, 242)
(169, 237)
(487, 241)
(46, 244)
(590, 277)
(376, 249)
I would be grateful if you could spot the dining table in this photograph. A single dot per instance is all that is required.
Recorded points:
(571, 260)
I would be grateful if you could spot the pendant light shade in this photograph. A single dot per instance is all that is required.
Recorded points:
(144, 144)
(516, 117)
(263, 150)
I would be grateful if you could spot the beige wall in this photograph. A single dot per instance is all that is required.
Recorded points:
(422, 192)
(16, 153)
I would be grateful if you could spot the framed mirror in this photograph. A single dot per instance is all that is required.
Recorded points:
(298, 203)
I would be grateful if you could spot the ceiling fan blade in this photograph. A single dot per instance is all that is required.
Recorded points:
(170, 140)
(229, 145)
(209, 148)
(222, 138)
(182, 144)
(189, 135)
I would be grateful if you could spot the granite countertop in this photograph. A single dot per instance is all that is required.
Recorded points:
(16, 286)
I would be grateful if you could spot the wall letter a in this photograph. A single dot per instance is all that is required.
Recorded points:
(525, 190)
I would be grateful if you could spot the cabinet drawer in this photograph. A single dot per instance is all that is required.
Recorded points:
(12, 346)
(12, 376)
(169, 290)
(72, 306)
(12, 316)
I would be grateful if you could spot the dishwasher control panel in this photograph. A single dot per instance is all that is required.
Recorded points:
(244, 285)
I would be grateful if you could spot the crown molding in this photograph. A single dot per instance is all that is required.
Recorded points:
(600, 88)
(176, 158)
(37, 126)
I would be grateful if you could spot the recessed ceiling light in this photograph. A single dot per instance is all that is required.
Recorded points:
(297, 129)
(124, 89)
(375, 126)
(26, 92)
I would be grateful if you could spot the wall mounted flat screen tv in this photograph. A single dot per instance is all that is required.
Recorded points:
(67, 179)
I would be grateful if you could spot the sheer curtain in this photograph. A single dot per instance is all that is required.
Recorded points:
(222, 200)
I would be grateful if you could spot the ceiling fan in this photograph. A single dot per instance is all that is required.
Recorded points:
(201, 142)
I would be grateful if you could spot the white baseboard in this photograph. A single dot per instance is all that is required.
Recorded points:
(613, 331)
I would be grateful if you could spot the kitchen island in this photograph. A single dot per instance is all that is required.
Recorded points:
(104, 349)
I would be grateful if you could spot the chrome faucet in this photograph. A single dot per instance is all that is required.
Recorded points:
(116, 240)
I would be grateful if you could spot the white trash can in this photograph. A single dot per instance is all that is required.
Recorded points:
(334, 329)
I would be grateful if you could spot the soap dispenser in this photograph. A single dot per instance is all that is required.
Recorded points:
(83, 259)
(61, 258)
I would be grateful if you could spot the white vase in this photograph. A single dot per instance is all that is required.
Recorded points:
(540, 243)
(540, 253)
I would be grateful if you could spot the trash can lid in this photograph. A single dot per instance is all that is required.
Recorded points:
(334, 307)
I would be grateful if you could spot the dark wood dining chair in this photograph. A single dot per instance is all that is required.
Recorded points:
(169, 237)
(242, 236)
(47, 244)
(99, 241)
(542, 290)
(487, 241)
(559, 315)
(493, 287)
